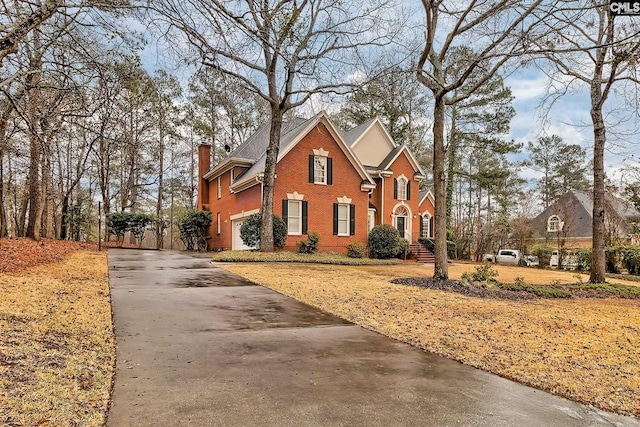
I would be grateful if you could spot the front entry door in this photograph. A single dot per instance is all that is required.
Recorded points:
(400, 225)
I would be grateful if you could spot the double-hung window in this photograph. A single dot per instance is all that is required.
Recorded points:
(343, 220)
(402, 189)
(294, 221)
(319, 170)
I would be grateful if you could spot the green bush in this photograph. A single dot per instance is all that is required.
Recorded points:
(310, 245)
(383, 241)
(138, 224)
(194, 226)
(250, 231)
(584, 259)
(631, 260)
(118, 223)
(483, 273)
(543, 252)
(355, 250)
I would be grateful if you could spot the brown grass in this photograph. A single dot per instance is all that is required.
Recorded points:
(586, 350)
(57, 346)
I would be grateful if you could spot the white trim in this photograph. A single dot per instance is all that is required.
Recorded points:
(422, 217)
(405, 182)
(320, 152)
(324, 169)
(344, 200)
(225, 165)
(219, 188)
(429, 194)
(410, 157)
(218, 223)
(384, 131)
(295, 196)
(408, 219)
(371, 219)
(244, 214)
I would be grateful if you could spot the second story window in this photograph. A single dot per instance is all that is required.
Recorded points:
(319, 170)
(402, 189)
(554, 224)
(219, 188)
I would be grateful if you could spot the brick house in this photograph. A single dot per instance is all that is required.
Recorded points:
(338, 184)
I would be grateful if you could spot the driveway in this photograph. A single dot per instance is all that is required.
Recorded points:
(199, 346)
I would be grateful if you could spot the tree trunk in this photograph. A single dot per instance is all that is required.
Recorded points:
(441, 269)
(598, 265)
(64, 220)
(268, 183)
(159, 230)
(451, 164)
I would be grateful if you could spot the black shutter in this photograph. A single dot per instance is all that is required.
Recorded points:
(408, 190)
(421, 226)
(311, 179)
(395, 188)
(329, 171)
(352, 220)
(285, 212)
(431, 227)
(305, 214)
(335, 219)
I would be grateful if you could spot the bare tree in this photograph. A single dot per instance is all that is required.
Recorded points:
(284, 51)
(494, 28)
(590, 46)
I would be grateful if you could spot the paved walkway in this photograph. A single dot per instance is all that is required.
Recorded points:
(198, 346)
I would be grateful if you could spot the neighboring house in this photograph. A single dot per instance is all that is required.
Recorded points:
(337, 184)
(568, 222)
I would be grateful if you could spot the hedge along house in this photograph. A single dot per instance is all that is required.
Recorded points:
(337, 184)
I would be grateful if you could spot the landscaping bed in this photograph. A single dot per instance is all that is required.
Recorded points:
(57, 348)
(585, 349)
(287, 256)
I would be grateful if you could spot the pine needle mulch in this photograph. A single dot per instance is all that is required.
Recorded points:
(57, 347)
(587, 350)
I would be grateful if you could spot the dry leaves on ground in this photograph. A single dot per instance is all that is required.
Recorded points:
(586, 350)
(57, 348)
(18, 254)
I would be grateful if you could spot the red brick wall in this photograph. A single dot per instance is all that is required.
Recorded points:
(293, 175)
(399, 167)
(228, 205)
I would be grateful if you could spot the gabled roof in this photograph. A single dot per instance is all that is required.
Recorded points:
(424, 194)
(578, 205)
(393, 155)
(352, 135)
(292, 133)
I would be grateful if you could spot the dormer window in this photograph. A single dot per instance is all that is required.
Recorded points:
(554, 224)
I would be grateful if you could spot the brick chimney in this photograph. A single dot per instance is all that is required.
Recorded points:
(204, 163)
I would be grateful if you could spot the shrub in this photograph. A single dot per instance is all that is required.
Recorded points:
(584, 259)
(383, 241)
(403, 248)
(543, 252)
(310, 245)
(631, 260)
(483, 273)
(250, 231)
(118, 223)
(355, 250)
(193, 226)
(138, 223)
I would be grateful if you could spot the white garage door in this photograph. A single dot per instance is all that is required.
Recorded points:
(236, 240)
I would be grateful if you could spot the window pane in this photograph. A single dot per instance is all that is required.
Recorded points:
(343, 219)
(402, 189)
(319, 170)
(294, 224)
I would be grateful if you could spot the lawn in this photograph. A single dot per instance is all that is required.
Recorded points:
(585, 349)
(57, 347)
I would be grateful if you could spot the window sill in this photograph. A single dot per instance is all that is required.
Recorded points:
(294, 234)
(320, 183)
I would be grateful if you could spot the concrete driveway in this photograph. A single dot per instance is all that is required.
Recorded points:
(199, 346)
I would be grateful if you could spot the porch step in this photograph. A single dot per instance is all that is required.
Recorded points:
(421, 254)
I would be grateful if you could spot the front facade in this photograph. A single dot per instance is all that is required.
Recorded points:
(337, 184)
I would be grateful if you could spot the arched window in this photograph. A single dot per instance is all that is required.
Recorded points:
(402, 188)
(554, 224)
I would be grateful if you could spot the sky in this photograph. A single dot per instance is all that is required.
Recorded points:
(568, 118)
